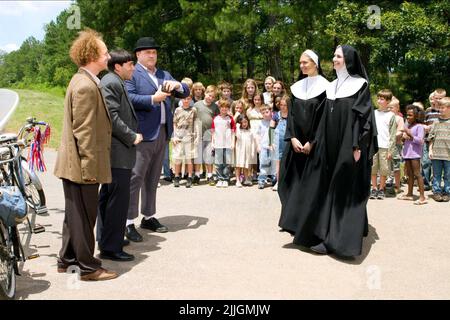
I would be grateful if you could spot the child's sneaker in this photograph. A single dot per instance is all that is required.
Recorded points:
(176, 182)
(196, 180)
(225, 184)
(247, 183)
(219, 184)
(380, 195)
(373, 194)
(238, 184)
(189, 182)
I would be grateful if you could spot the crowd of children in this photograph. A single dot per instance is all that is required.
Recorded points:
(217, 138)
(420, 140)
(214, 136)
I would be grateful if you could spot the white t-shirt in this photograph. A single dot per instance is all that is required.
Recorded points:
(383, 120)
(223, 129)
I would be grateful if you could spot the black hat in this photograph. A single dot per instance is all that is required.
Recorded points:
(146, 43)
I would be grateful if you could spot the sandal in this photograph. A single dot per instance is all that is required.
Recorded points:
(405, 197)
(418, 202)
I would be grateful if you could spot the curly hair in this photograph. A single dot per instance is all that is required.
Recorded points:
(85, 47)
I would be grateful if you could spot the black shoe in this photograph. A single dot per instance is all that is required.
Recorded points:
(380, 195)
(176, 182)
(168, 179)
(189, 182)
(116, 256)
(320, 248)
(426, 188)
(185, 176)
(203, 175)
(154, 225)
(196, 180)
(132, 234)
(125, 243)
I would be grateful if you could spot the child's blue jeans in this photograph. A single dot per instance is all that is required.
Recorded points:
(439, 167)
(222, 160)
(266, 165)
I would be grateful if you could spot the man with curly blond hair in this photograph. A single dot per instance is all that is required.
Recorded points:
(83, 160)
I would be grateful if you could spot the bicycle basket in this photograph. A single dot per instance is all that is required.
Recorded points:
(13, 208)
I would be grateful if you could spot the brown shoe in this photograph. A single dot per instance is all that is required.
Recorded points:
(61, 270)
(437, 197)
(445, 198)
(99, 275)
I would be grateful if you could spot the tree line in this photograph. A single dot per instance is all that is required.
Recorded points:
(404, 45)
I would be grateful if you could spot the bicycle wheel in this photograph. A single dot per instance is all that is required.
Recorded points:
(33, 188)
(7, 274)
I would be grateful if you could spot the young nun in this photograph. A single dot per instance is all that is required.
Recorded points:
(304, 115)
(340, 171)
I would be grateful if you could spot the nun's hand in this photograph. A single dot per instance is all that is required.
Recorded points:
(306, 148)
(296, 144)
(356, 154)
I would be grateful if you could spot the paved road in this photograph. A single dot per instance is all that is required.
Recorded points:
(8, 102)
(225, 244)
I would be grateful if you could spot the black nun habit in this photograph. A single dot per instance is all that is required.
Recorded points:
(338, 187)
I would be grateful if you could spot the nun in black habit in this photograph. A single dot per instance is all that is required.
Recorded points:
(339, 170)
(304, 115)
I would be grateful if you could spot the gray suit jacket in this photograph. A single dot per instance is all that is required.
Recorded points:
(124, 122)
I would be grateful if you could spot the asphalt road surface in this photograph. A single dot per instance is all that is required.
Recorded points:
(225, 244)
(8, 101)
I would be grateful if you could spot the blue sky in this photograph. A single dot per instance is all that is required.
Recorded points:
(22, 19)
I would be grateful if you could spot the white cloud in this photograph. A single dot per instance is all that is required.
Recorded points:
(9, 47)
(19, 8)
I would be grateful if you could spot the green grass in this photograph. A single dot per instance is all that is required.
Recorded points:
(45, 106)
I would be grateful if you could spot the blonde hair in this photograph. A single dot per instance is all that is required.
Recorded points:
(189, 82)
(264, 107)
(270, 78)
(430, 97)
(198, 85)
(395, 103)
(235, 103)
(211, 88)
(445, 102)
(440, 92)
(86, 48)
(419, 105)
(244, 88)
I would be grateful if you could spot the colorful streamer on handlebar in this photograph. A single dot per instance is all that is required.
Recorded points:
(36, 154)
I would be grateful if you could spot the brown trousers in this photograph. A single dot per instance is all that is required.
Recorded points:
(78, 241)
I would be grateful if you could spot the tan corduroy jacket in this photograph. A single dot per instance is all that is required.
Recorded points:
(84, 152)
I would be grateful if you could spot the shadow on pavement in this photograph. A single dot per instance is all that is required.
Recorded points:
(183, 222)
(151, 241)
(140, 251)
(368, 241)
(29, 283)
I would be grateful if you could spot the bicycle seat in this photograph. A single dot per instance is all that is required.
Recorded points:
(8, 138)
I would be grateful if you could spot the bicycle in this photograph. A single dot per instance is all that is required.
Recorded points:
(34, 191)
(15, 172)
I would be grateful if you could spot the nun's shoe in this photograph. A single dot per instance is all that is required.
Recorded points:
(320, 248)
